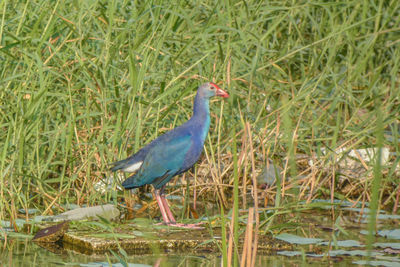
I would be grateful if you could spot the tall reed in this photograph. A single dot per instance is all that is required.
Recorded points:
(84, 83)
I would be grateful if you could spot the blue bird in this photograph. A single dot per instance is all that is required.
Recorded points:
(172, 153)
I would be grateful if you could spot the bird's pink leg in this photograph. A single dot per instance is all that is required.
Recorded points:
(167, 209)
(162, 209)
(167, 214)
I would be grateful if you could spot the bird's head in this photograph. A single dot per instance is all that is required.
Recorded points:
(208, 90)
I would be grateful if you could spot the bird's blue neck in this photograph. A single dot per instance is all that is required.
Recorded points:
(201, 115)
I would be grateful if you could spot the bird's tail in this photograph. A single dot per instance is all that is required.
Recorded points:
(132, 182)
(118, 165)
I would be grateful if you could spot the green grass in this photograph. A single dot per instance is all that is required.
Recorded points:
(85, 83)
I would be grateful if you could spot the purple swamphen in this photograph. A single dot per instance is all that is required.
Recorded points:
(172, 153)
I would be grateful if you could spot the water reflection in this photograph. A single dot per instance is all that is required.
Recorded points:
(18, 252)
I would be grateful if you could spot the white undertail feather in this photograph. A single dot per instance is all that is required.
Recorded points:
(133, 167)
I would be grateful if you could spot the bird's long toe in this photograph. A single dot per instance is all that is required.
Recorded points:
(184, 225)
(188, 226)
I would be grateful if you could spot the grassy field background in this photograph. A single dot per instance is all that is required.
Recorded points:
(85, 83)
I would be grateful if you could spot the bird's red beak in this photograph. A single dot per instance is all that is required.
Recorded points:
(220, 92)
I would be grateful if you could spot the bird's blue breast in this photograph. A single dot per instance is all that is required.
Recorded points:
(199, 135)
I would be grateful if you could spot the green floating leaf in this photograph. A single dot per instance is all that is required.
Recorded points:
(377, 263)
(342, 203)
(365, 216)
(343, 243)
(7, 224)
(40, 218)
(388, 245)
(289, 253)
(363, 210)
(331, 253)
(294, 239)
(14, 234)
(299, 253)
(388, 217)
(29, 211)
(364, 253)
(173, 197)
(393, 234)
(365, 232)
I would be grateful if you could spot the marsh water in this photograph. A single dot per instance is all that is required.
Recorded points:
(20, 252)
(324, 234)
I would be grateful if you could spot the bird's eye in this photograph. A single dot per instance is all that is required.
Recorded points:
(212, 87)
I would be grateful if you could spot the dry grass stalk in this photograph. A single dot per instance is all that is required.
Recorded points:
(255, 194)
(246, 259)
(230, 242)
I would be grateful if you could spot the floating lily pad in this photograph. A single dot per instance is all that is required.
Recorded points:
(299, 253)
(332, 253)
(343, 243)
(388, 245)
(29, 211)
(392, 234)
(7, 224)
(342, 203)
(354, 253)
(173, 197)
(11, 233)
(40, 218)
(289, 253)
(365, 217)
(294, 239)
(363, 210)
(365, 232)
(388, 217)
(377, 263)
(392, 251)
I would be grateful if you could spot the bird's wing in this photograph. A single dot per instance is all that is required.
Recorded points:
(132, 163)
(163, 160)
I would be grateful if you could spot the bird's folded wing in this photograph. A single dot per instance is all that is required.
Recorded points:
(166, 157)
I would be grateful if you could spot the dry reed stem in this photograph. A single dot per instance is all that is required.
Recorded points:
(333, 184)
(243, 156)
(216, 180)
(52, 199)
(230, 241)
(255, 195)
(13, 215)
(195, 192)
(247, 245)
